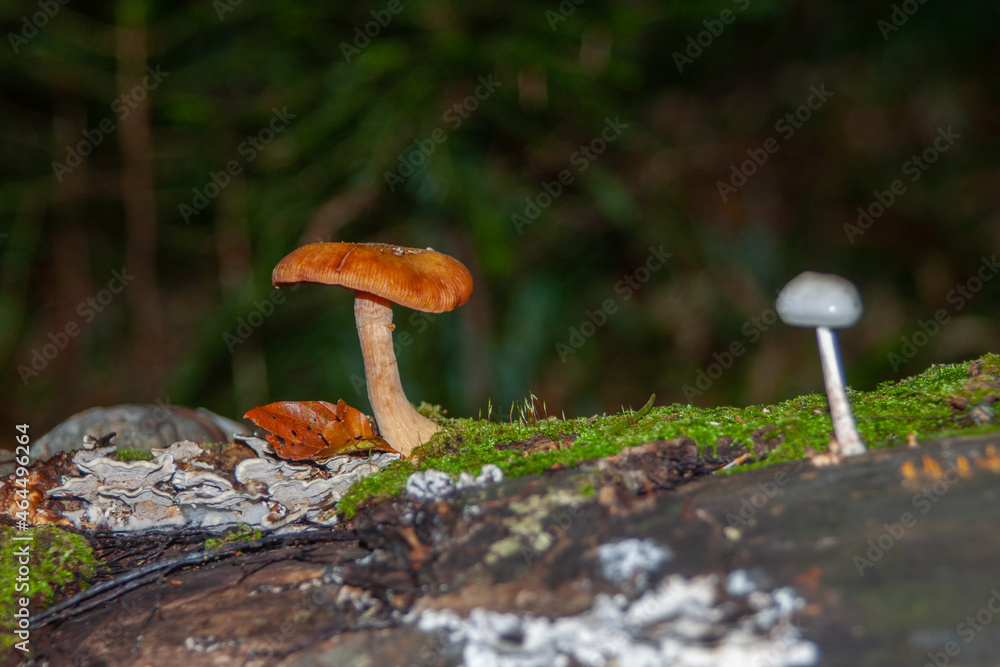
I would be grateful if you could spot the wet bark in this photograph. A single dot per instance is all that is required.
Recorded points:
(893, 551)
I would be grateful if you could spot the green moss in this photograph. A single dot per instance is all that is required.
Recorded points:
(128, 454)
(241, 533)
(884, 416)
(434, 412)
(55, 558)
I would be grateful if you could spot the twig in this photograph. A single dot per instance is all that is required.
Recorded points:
(739, 460)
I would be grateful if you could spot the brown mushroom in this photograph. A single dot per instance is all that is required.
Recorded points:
(381, 274)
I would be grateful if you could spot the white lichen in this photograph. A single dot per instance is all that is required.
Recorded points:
(621, 561)
(682, 622)
(433, 485)
(488, 474)
(429, 485)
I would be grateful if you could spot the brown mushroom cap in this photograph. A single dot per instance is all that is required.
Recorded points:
(424, 280)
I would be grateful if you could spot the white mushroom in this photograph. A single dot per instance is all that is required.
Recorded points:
(294, 494)
(827, 302)
(207, 496)
(128, 496)
(130, 475)
(269, 470)
(212, 483)
(76, 487)
(339, 465)
(131, 497)
(181, 450)
(259, 445)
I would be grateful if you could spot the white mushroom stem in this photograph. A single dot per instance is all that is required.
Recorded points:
(844, 428)
(398, 423)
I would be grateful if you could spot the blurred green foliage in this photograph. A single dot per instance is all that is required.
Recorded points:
(364, 105)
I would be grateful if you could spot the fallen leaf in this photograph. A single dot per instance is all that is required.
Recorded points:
(313, 430)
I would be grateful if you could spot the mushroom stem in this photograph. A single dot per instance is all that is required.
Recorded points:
(840, 410)
(399, 424)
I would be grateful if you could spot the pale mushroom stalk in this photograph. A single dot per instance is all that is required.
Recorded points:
(826, 302)
(399, 424)
(844, 428)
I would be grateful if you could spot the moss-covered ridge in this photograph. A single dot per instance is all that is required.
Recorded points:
(55, 558)
(943, 400)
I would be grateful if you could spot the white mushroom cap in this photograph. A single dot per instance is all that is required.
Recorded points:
(819, 300)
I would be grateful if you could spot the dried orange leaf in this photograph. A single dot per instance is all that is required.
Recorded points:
(316, 430)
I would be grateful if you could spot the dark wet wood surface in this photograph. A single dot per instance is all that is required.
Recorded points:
(896, 553)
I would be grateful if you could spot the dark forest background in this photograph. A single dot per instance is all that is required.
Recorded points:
(157, 100)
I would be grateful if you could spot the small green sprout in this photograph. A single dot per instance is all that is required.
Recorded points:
(241, 533)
